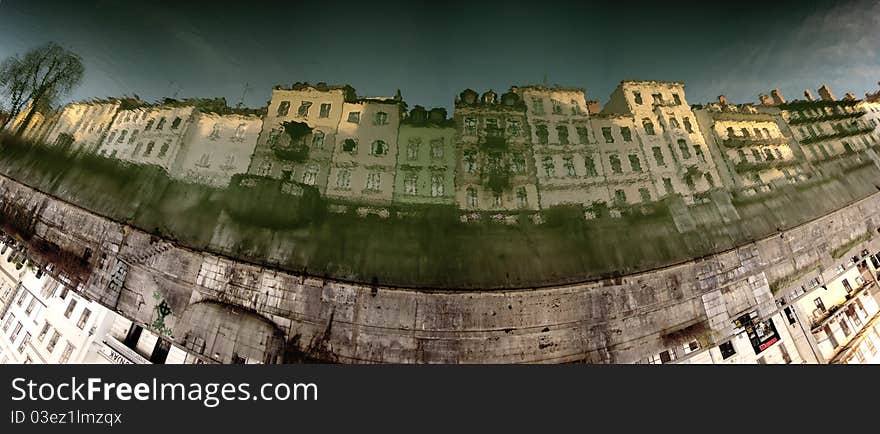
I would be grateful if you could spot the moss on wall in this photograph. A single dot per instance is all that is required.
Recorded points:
(287, 225)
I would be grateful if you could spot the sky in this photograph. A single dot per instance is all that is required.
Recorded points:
(433, 50)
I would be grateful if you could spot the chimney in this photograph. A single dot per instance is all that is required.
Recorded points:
(593, 107)
(849, 96)
(825, 93)
(765, 99)
(722, 100)
(777, 96)
(808, 95)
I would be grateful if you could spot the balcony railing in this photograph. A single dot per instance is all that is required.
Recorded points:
(826, 117)
(838, 135)
(298, 153)
(746, 166)
(739, 142)
(820, 321)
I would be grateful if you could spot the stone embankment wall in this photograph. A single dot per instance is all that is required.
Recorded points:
(224, 308)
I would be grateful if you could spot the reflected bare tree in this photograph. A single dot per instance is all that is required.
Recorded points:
(37, 79)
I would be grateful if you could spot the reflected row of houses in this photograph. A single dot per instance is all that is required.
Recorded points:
(530, 148)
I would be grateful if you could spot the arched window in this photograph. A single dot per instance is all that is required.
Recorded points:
(379, 148)
(133, 137)
(149, 149)
(149, 124)
(317, 139)
(283, 108)
(122, 136)
(164, 148)
(215, 132)
(649, 126)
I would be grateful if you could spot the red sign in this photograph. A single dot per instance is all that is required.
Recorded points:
(768, 343)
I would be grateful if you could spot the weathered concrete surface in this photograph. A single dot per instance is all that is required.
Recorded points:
(222, 308)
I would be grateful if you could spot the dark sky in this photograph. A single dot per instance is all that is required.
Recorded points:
(431, 53)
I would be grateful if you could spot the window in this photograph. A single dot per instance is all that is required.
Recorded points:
(133, 137)
(690, 347)
(215, 132)
(590, 165)
(562, 134)
(354, 117)
(53, 341)
(24, 341)
(325, 111)
(175, 124)
(303, 109)
(710, 180)
(379, 148)
(635, 163)
(789, 314)
(626, 133)
(819, 304)
(513, 127)
(83, 319)
(9, 320)
(658, 156)
(541, 132)
(658, 98)
(161, 123)
(727, 350)
(649, 126)
(22, 297)
(606, 132)
(470, 161)
(676, 98)
(667, 186)
(318, 139)
(557, 107)
(310, 175)
(685, 152)
(663, 357)
(438, 185)
(522, 198)
(240, 130)
(122, 136)
(65, 356)
(412, 150)
(492, 127)
(568, 163)
(470, 126)
(343, 178)
(70, 307)
(437, 149)
(619, 197)
(699, 152)
(645, 194)
(637, 96)
(349, 145)
(31, 306)
(381, 118)
(745, 132)
(757, 133)
(374, 181)
(43, 332)
(471, 198)
(583, 136)
(518, 163)
(615, 164)
(538, 106)
(164, 148)
(673, 122)
(575, 107)
(549, 168)
(410, 183)
(15, 332)
(204, 160)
